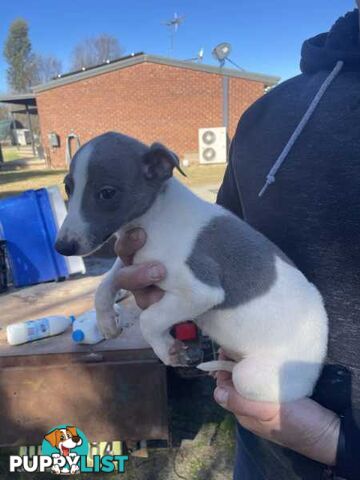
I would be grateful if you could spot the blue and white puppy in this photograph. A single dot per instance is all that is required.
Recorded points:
(239, 288)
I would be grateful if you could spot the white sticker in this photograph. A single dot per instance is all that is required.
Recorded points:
(38, 328)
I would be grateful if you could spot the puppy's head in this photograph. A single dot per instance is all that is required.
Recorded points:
(113, 179)
(64, 438)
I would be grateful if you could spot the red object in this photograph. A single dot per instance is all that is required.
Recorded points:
(186, 331)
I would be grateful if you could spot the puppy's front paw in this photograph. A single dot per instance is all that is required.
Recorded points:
(74, 469)
(108, 323)
(56, 469)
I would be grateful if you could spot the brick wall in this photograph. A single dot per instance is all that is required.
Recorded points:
(149, 101)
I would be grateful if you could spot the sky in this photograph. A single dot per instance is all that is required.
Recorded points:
(266, 35)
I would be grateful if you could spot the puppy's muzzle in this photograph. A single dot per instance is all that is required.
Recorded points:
(66, 247)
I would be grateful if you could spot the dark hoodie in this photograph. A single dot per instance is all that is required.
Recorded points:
(312, 212)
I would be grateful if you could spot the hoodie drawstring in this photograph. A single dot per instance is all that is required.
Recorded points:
(270, 178)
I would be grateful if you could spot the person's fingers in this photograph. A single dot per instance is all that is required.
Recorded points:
(148, 296)
(130, 243)
(137, 277)
(224, 381)
(228, 398)
(221, 354)
(222, 377)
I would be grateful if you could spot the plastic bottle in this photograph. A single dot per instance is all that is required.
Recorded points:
(24, 332)
(85, 329)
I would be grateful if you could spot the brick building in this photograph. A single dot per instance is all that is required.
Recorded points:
(148, 97)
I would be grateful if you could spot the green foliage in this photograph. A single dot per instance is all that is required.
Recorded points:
(17, 51)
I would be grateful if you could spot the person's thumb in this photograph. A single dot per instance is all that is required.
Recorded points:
(228, 398)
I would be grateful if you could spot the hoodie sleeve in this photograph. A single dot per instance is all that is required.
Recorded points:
(228, 195)
(348, 458)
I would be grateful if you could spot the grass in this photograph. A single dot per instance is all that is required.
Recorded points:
(11, 153)
(198, 175)
(15, 182)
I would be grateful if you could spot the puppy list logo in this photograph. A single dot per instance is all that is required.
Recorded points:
(64, 450)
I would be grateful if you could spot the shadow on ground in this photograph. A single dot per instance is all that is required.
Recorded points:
(201, 447)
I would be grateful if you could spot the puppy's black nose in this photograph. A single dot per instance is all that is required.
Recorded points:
(76, 438)
(66, 247)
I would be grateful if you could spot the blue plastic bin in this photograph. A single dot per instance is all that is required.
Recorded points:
(29, 228)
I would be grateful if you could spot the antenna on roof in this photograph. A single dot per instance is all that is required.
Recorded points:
(200, 55)
(221, 53)
(173, 24)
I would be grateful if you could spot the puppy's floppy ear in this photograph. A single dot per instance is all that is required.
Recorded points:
(159, 162)
(53, 438)
(73, 431)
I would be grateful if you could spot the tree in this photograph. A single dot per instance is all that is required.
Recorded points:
(95, 50)
(44, 68)
(17, 52)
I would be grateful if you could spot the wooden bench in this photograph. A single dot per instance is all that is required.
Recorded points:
(115, 390)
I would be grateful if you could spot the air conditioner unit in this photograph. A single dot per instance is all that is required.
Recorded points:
(23, 136)
(212, 145)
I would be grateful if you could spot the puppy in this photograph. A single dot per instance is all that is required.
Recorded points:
(239, 288)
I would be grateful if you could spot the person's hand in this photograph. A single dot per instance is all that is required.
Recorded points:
(302, 425)
(139, 279)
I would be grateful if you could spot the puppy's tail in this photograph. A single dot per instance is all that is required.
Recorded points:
(216, 365)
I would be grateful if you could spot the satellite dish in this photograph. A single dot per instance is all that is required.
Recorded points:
(221, 52)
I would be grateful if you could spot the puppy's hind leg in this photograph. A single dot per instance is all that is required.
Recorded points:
(272, 378)
(157, 320)
(257, 378)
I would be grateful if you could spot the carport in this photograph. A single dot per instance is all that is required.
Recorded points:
(27, 105)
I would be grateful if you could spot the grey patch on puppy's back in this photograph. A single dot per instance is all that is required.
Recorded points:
(230, 254)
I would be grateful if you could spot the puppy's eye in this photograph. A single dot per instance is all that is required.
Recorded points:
(107, 193)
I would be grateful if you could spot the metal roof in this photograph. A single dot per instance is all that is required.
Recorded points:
(134, 59)
(19, 98)
(108, 62)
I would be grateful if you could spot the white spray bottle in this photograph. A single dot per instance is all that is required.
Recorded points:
(24, 332)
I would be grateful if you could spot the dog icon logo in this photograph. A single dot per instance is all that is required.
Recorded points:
(65, 451)
(68, 442)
